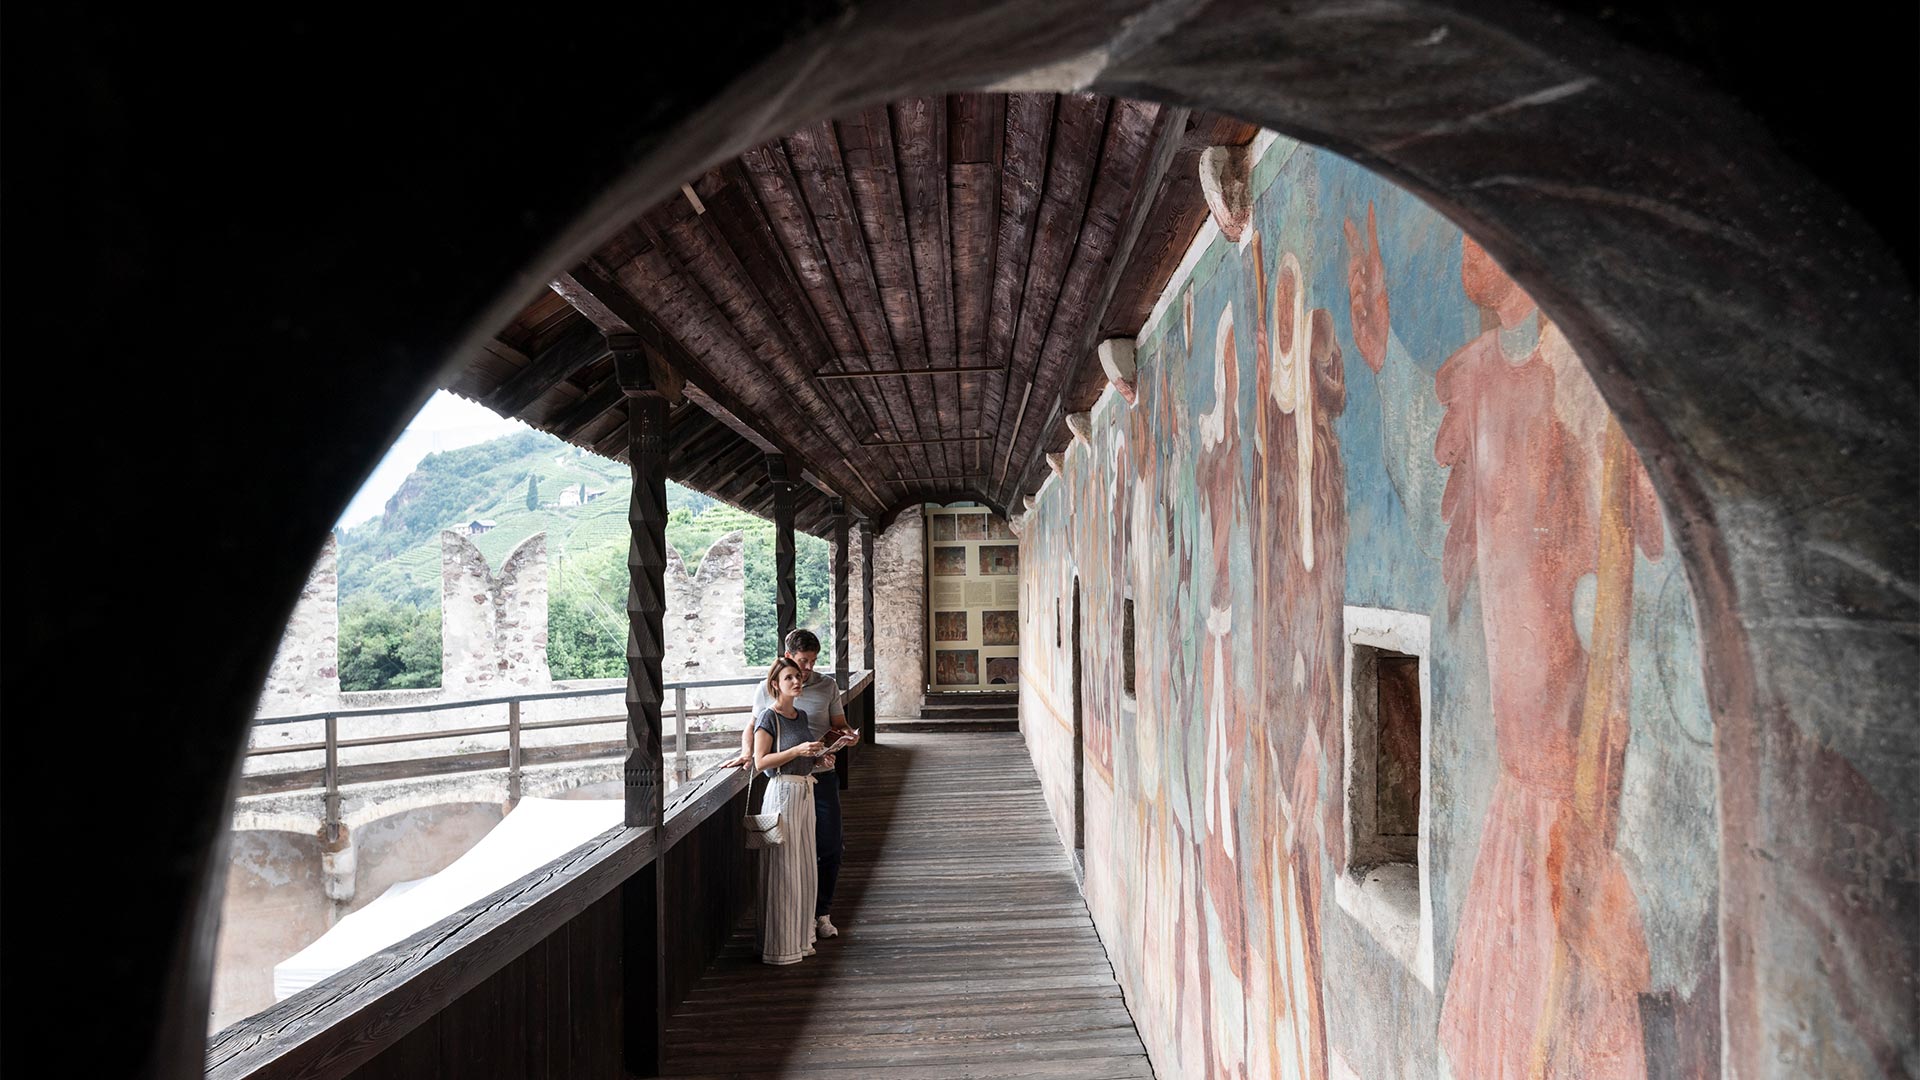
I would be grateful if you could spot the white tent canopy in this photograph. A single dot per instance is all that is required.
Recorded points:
(537, 832)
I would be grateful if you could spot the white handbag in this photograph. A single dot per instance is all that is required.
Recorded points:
(763, 830)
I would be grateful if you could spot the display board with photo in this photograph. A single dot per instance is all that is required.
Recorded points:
(1000, 560)
(956, 667)
(950, 626)
(1000, 628)
(973, 592)
(950, 562)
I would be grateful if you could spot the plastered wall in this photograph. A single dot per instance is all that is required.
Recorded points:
(1353, 408)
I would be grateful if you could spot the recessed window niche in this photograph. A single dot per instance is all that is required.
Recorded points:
(1387, 707)
(1127, 649)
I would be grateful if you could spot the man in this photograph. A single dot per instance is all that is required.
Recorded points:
(827, 717)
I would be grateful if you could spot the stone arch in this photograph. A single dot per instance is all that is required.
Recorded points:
(1744, 319)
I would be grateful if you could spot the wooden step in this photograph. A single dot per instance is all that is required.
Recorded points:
(971, 697)
(928, 725)
(1009, 711)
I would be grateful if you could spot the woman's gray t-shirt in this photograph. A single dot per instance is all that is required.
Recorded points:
(787, 732)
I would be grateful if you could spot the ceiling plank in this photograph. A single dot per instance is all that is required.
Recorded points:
(976, 128)
(783, 206)
(814, 153)
(1027, 144)
(610, 306)
(1079, 133)
(1140, 148)
(826, 376)
(920, 150)
(866, 150)
(700, 249)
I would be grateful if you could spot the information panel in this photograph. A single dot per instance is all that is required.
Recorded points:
(973, 593)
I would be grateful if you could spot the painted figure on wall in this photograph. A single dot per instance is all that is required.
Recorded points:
(1300, 390)
(1551, 956)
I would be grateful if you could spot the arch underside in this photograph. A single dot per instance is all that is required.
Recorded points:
(1749, 326)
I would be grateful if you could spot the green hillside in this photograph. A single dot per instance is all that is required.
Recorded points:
(389, 567)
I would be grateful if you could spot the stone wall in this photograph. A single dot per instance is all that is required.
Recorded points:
(706, 619)
(899, 616)
(1352, 430)
(284, 890)
(493, 627)
(305, 676)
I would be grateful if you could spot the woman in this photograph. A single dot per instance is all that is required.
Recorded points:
(784, 749)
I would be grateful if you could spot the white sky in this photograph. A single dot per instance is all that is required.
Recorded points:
(445, 422)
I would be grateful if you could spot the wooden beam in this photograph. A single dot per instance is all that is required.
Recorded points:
(577, 348)
(842, 654)
(610, 307)
(933, 442)
(866, 595)
(815, 155)
(790, 210)
(883, 373)
(644, 771)
(1169, 126)
(786, 600)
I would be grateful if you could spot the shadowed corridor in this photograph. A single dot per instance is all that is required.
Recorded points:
(965, 948)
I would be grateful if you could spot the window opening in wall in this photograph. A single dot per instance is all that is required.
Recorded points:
(1392, 681)
(1057, 640)
(1384, 881)
(1127, 652)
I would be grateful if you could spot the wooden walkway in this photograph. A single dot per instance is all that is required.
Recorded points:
(965, 950)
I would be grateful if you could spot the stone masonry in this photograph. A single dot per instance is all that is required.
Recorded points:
(899, 624)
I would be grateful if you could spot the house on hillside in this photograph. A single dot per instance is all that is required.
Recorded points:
(579, 494)
(478, 526)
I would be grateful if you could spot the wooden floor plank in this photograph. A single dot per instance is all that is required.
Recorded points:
(966, 951)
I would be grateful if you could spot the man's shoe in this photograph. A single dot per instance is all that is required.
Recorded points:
(823, 927)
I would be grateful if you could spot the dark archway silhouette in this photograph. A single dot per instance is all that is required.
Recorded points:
(240, 248)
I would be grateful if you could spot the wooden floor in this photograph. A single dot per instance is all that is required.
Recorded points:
(965, 949)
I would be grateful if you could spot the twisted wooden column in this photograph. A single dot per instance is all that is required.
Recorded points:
(786, 601)
(866, 595)
(842, 653)
(644, 771)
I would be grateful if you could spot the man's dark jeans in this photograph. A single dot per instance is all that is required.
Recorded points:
(829, 846)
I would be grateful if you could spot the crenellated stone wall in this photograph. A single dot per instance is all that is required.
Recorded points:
(306, 668)
(493, 627)
(706, 619)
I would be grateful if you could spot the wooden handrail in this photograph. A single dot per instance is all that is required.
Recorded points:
(333, 775)
(343, 1021)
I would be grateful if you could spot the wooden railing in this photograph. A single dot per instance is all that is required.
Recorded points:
(569, 971)
(332, 775)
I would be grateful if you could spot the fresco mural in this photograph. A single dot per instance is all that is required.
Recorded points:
(1355, 406)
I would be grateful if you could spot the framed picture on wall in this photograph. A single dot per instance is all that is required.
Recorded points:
(999, 628)
(949, 626)
(997, 528)
(940, 526)
(950, 562)
(956, 667)
(1003, 670)
(999, 560)
(973, 526)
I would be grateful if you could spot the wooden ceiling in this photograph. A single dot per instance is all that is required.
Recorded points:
(905, 302)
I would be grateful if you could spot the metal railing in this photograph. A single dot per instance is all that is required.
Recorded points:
(332, 743)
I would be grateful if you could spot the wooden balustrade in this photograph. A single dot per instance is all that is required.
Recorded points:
(562, 973)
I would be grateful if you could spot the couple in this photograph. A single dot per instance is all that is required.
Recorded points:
(794, 709)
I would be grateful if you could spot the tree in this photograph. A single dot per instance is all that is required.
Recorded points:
(533, 491)
(388, 646)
